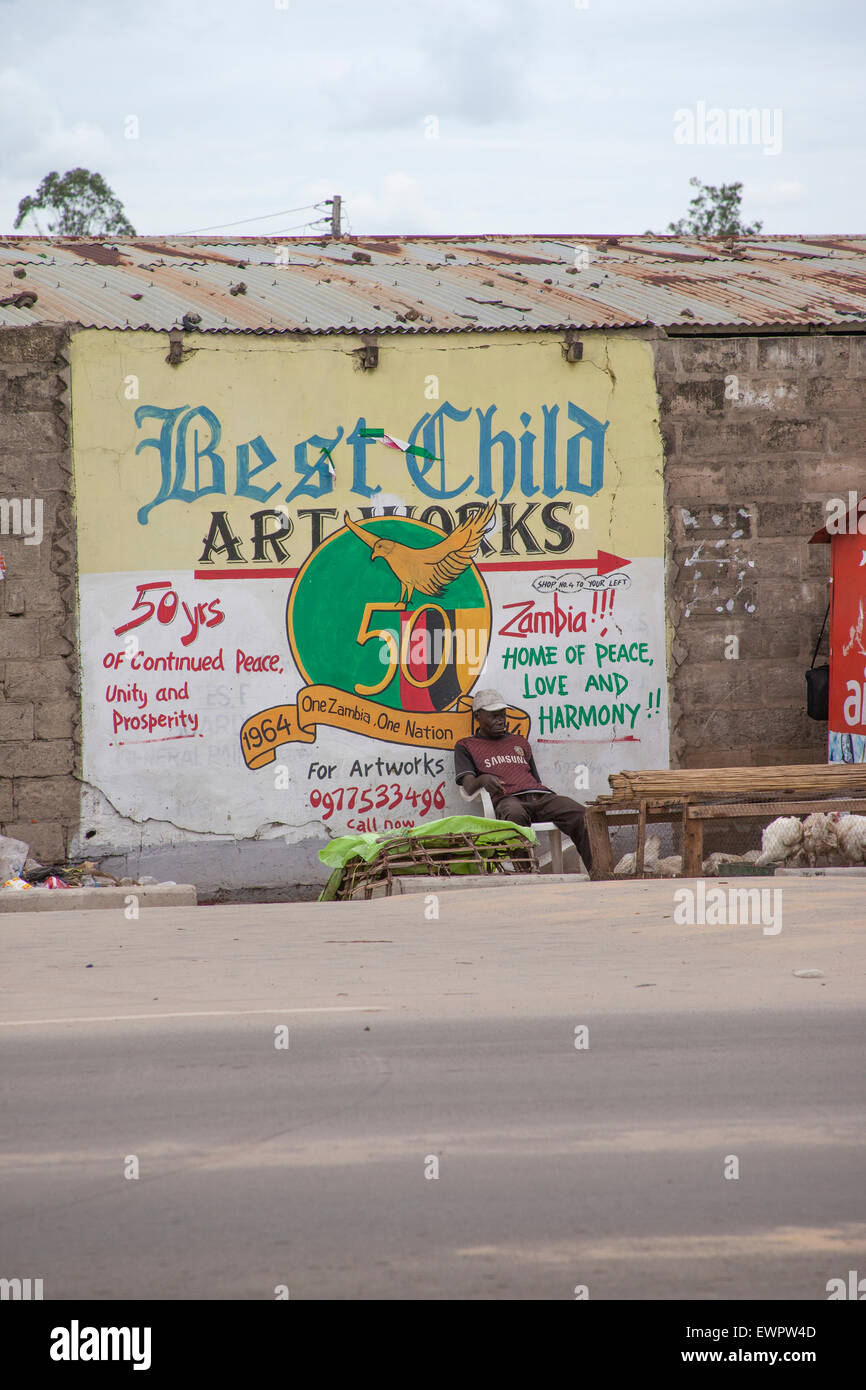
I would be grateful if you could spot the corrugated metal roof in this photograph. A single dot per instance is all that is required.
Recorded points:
(433, 284)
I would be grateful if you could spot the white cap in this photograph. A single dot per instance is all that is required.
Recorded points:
(488, 699)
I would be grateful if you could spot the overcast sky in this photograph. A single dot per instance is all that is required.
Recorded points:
(553, 115)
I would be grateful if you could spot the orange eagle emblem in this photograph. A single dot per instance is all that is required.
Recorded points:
(431, 570)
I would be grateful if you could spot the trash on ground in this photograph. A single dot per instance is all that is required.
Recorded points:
(13, 857)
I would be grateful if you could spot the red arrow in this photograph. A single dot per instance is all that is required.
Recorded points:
(604, 563)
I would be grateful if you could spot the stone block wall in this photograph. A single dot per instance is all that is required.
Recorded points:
(39, 713)
(759, 432)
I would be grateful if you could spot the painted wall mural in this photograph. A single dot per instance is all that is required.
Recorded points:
(285, 608)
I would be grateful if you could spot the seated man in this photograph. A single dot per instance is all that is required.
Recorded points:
(502, 764)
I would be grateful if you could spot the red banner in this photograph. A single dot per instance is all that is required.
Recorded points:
(848, 635)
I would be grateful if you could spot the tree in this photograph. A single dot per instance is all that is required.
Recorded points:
(714, 212)
(81, 202)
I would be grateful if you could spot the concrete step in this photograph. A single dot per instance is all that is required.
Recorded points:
(83, 899)
(424, 883)
(831, 871)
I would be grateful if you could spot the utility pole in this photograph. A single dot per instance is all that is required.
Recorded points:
(336, 208)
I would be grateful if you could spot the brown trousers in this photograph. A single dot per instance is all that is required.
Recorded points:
(567, 816)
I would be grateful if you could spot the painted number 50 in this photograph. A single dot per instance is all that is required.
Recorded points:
(397, 657)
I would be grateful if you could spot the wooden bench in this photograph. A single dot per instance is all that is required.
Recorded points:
(691, 797)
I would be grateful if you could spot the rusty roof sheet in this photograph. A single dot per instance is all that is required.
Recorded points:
(433, 284)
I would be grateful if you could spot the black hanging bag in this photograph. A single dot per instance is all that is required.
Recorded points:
(818, 683)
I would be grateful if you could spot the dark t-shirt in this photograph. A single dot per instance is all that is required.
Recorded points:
(509, 758)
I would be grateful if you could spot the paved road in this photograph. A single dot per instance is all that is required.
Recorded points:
(412, 1040)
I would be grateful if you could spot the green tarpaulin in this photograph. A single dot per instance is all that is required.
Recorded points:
(337, 853)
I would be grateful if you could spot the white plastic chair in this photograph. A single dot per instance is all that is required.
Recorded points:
(554, 834)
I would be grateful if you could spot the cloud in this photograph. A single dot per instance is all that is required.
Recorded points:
(400, 204)
(463, 63)
(549, 116)
(778, 193)
(37, 139)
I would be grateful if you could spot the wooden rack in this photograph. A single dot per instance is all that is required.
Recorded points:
(694, 796)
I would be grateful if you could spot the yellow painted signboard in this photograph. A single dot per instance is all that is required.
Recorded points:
(294, 572)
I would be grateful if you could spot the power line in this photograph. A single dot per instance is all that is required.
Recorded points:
(220, 226)
(299, 225)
